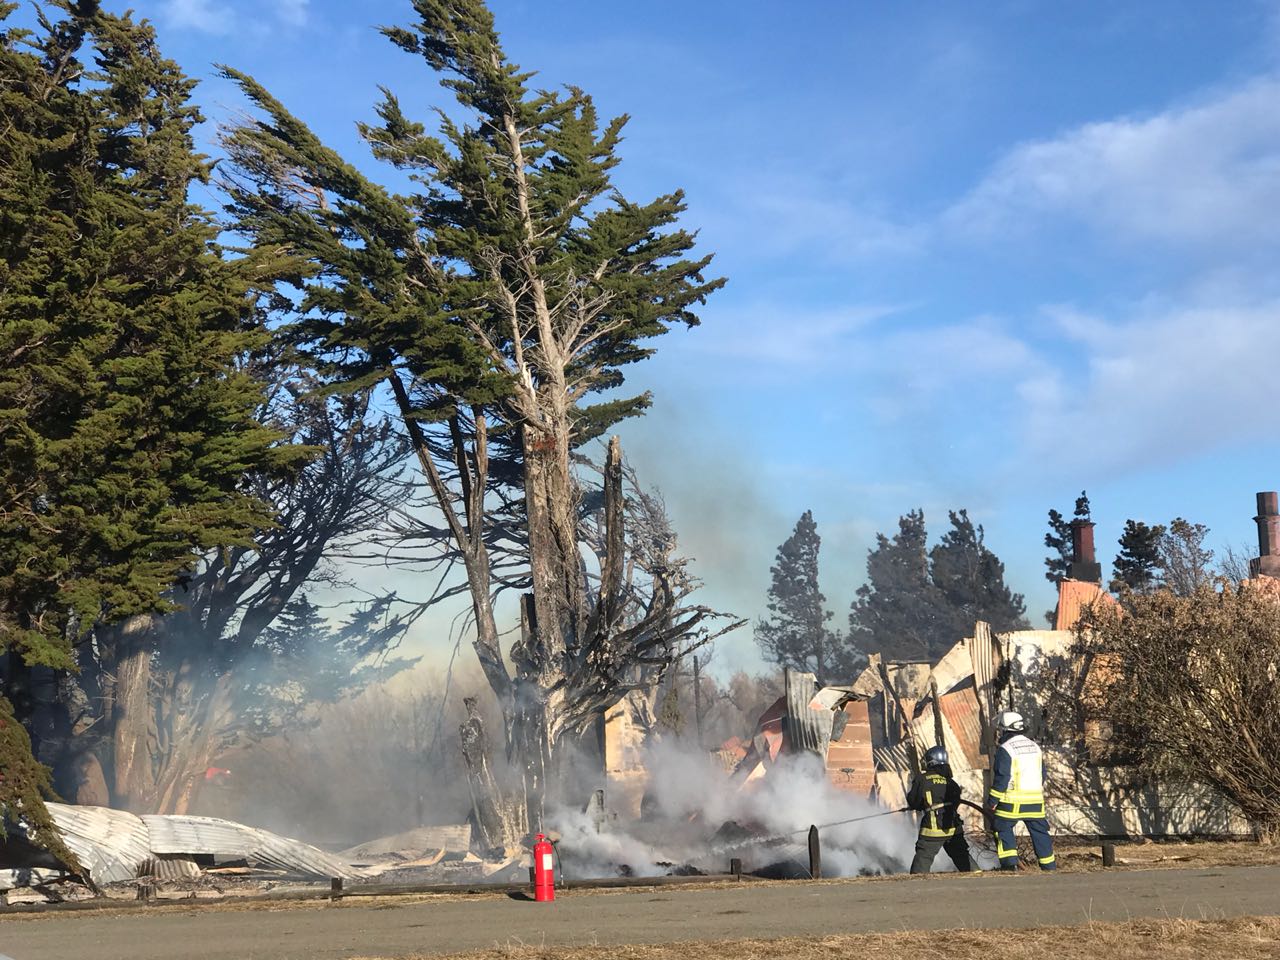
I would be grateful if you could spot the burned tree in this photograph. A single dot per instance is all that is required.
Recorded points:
(494, 305)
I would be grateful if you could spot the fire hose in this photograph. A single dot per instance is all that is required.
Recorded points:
(780, 837)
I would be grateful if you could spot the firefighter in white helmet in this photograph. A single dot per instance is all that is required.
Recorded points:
(1017, 794)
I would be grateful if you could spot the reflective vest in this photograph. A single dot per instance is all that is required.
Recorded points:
(940, 819)
(1018, 786)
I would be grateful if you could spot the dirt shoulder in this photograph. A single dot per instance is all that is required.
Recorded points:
(1249, 938)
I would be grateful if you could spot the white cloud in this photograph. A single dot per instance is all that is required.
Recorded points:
(788, 337)
(1162, 386)
(1205, 175)
(207, 16)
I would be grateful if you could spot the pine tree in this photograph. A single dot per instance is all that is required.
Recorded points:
(795, 634)
(899, 612)
(971, 580)
(1137, 566)
(1058, 539)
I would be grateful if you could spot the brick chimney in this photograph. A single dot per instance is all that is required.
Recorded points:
(1084, 564)
(1268, 520)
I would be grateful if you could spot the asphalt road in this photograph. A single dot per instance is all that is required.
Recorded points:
(645, 916)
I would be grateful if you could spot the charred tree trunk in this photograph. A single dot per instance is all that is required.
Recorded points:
(499, 816)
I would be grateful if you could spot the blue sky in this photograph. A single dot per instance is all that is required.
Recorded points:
(980, 255)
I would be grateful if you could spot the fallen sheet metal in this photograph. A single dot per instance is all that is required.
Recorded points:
(111, 844)
(453, 838)
(225, 838)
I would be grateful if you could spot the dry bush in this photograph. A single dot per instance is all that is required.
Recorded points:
(1188, 687)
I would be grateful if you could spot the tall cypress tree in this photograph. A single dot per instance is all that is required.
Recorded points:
(795, 634)
(501, 303)
(126, 421)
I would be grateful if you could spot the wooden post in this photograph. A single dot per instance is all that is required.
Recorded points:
(1108, 854)
(735, 868)
(815, 854)
(335, 888)
(146, 890)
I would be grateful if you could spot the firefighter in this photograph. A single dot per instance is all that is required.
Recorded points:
(1017, 794)
(935, 793)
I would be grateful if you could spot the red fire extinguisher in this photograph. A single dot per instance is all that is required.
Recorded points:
(544, 870)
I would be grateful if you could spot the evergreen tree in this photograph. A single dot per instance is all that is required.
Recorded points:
(500, 303)
(1058, 540)
(898, 612)
(795, 634)
(127, 422)
(970, 579)
(1137, 566)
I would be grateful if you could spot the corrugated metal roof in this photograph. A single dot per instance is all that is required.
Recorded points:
(111, 844)
(170, 867)
(960, 708)
(209, 835)
(1073, 597)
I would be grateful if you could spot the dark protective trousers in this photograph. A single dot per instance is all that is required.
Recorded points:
(927, 848)
(1007, 843)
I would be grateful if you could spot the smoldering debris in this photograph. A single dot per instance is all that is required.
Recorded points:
(698, 820)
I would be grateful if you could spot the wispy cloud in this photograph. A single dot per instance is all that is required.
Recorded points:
(206, 16)
(1205, 175)
(1155, 388)
(219, 17)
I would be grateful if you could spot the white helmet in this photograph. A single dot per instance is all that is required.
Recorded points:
(1011, 722)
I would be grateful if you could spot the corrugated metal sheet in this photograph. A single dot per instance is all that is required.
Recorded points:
(455, 839)
(111, 844)
(960, 709)
(170, 867)
(804, 729)
(209, 835)
(1073, 597)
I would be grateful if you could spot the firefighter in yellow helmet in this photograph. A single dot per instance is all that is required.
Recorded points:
(938, 795)
(1017, 794)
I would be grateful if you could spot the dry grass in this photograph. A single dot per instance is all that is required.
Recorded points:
(1168, 855)
(1249, 938)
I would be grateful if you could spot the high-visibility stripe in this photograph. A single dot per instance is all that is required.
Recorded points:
(1048, 860)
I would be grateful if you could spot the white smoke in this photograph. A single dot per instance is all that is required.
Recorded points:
(690, 800)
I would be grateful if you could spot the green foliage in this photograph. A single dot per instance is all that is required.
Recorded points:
(970, 579)
(1137, 566)
(896, 610)
(917, 603)
(1058, 539)
(24, 786)
(795, 634)
(126, 423)
(516, 264)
